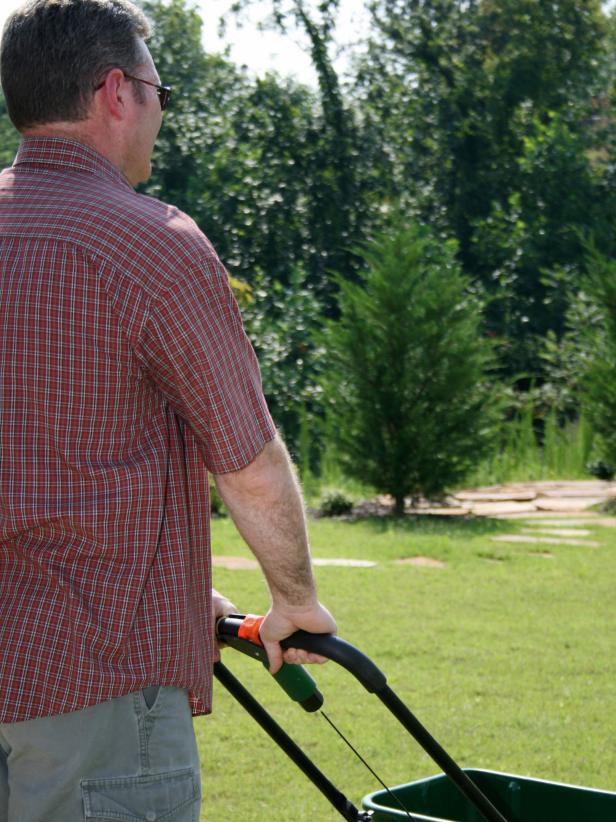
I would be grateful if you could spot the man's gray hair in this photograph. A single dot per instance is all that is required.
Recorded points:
(55, 52)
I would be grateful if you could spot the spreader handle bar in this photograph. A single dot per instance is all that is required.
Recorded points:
(284, 741)
(449, 766)
(374, 680)
(328, 645)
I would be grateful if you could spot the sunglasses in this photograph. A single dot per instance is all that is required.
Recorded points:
(164, 92)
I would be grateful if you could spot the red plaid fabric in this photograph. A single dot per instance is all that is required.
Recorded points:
(124, 372)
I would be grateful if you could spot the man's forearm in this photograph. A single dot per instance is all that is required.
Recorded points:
(265, 502)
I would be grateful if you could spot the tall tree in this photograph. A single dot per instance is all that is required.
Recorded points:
(266, 166)
(338, 189)
(480, 98)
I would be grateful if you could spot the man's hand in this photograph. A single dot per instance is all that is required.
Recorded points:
(221, 606)
(280, 622)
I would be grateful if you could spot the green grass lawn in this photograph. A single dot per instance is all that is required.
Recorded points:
(507, 656)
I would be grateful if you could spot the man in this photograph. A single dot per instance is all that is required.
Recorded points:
(124, 372)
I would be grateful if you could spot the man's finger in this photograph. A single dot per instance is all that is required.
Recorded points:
(295, 656)
(274, 656)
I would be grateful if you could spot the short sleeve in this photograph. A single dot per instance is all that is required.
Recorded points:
(194, 347)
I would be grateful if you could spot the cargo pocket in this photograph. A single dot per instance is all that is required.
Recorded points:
(165, 797)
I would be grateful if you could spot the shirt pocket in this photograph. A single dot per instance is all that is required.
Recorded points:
(164, 797)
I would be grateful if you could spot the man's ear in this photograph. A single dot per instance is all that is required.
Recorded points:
(113, 93)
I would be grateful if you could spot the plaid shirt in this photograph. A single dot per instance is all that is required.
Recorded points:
(124, 372)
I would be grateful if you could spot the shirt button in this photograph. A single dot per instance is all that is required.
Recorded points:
(150, 816)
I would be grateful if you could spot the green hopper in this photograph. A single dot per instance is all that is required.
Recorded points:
(436, 799)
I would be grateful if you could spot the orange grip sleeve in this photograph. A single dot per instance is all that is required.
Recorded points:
(249, 629)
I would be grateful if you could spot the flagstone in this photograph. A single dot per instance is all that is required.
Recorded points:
(577, 491)
(350, 563)
(524, 538)
(558, 532)
(235, 563)
(496, 496)
(564, 517)
(422, 562)
(491, 509)
(575, 521)
(441, 512)
(584, 486)
(566, 504)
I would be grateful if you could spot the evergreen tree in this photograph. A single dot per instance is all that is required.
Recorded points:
(407, 376)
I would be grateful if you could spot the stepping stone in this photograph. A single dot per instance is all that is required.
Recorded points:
(558, 532)
(440, 512)
(568, 504)
(566, 517)
(345, 563)
(422, 562)
(236, 563)
(584, 487)
(496, 496)
(576, 492)
(493, 509)
(547, 540)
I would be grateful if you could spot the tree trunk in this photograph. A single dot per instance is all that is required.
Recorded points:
(399, 505)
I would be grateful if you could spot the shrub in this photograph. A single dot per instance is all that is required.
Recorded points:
(601, 470)
(335, 505)
(407, 377)
(217, 506)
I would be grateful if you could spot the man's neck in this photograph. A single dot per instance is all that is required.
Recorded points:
(80, 133)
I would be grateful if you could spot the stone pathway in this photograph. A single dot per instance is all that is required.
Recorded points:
(555, 513)
(539, 498)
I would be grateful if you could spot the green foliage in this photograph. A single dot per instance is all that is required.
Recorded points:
(491, 121)
(407, 379)
(565, 359)
(9, 137)
(531, 447)
(334, 151)
(217, 506)
(282, 322)
(489, 115)
(599, 377)
(266, 167)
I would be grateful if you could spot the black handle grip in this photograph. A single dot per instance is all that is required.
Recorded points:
(342, 652)
(327, 645)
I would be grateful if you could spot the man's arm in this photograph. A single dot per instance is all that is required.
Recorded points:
(266, 505)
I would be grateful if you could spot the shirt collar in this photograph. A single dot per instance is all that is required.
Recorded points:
(60, 152)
